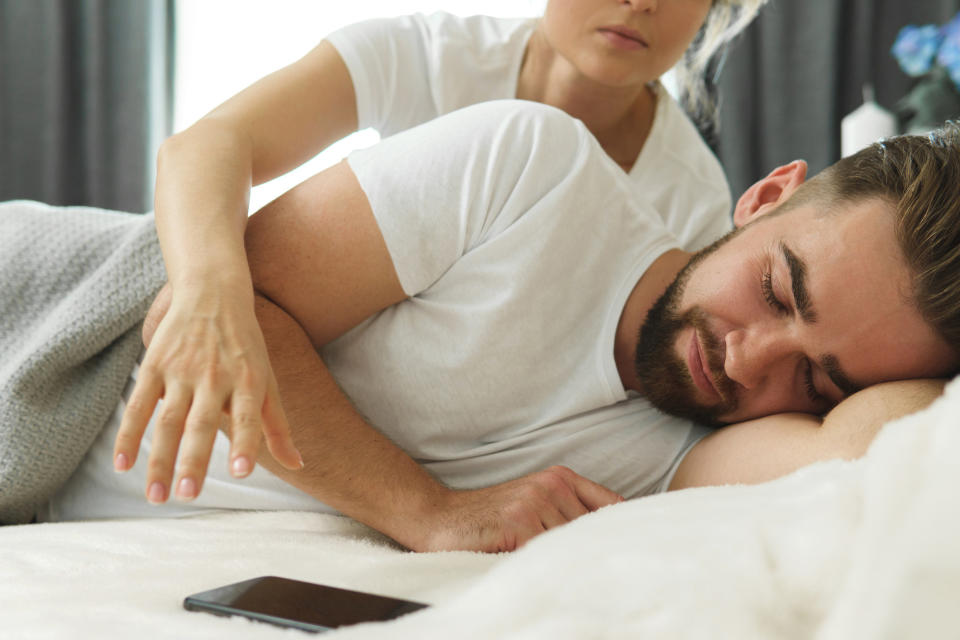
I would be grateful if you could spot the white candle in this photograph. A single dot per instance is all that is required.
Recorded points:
(865, 125)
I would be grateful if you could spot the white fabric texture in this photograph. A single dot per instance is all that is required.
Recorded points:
(411, 69)
(839, 550)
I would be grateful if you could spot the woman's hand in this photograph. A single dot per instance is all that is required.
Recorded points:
(206, 357)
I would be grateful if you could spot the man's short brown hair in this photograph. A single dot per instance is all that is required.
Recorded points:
(920, 177)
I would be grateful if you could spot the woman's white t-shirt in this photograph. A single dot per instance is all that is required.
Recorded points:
(411, 69)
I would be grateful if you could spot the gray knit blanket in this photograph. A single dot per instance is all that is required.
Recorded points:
(75, 284)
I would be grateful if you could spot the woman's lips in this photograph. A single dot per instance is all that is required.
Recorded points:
(624, 38)
(700, 368)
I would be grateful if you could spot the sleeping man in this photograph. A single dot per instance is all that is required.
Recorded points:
(485, 291)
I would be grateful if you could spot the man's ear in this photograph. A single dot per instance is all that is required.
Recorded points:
(767, 193)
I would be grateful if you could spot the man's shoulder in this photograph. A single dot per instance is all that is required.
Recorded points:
(530, 128)
(520, 111)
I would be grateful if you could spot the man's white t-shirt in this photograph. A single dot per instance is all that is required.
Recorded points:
(518, 241)
(411, 69)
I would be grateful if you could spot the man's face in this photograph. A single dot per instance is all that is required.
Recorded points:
(793, 312)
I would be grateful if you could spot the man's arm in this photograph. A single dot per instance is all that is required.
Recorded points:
(774, 446)
(321, 266)
(355, 469)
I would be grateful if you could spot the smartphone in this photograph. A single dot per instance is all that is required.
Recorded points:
(301, 605)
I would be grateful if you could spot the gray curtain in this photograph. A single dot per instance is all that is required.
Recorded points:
(789, 80)
(85, 99)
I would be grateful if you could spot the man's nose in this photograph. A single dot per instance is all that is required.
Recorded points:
(753, 354)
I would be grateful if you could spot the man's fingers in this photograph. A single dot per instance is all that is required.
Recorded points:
(593, 495)
(197, 445)
(565, 497)
(277, 432)
(136, 416)
(573, 507)
(553, 516)
(552, 494)
(521, 522)
(504, 517)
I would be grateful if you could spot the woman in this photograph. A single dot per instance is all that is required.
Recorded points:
(598, 60)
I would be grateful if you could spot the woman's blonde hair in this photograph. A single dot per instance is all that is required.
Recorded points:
(725, 21)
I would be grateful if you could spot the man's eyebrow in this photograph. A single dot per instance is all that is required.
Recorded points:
(832, 367)
(801, 297)
(798, 282)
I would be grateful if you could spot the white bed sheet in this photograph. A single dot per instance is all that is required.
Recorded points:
(839, 550)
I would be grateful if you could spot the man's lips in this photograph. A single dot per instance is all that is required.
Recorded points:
(699, 367)
(624, 37)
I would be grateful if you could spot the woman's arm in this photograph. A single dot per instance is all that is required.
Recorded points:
(319, 258)
(767, 448)
(203, 183)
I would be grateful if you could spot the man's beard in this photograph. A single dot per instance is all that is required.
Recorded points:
(664, 377)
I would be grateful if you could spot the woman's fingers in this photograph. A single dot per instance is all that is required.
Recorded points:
(201, 362)
(249, 416)
(277, 430)
(166, 441)
(245, 432)
(146, 394)
(196, 446)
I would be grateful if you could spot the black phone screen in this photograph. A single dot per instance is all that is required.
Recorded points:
(303, 605)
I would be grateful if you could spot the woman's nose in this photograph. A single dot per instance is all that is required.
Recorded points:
(754, 354)
(642, 5)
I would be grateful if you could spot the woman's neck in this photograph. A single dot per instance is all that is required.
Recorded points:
(619, 117)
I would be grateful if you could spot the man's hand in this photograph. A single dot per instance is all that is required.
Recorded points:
(504, 517)
(202, 365)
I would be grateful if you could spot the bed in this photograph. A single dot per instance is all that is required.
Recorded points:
(838, 550)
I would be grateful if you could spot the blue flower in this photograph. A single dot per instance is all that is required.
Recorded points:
(952, 27)
(949, 54)
(915, 48)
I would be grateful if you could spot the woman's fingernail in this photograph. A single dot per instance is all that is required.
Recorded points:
(156, 493)
(240, 466)
(186, 489)
(120, 463)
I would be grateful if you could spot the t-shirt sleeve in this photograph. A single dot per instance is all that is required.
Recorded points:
(388, 60)
(697, 433)
(681, 178)
(442, 188)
